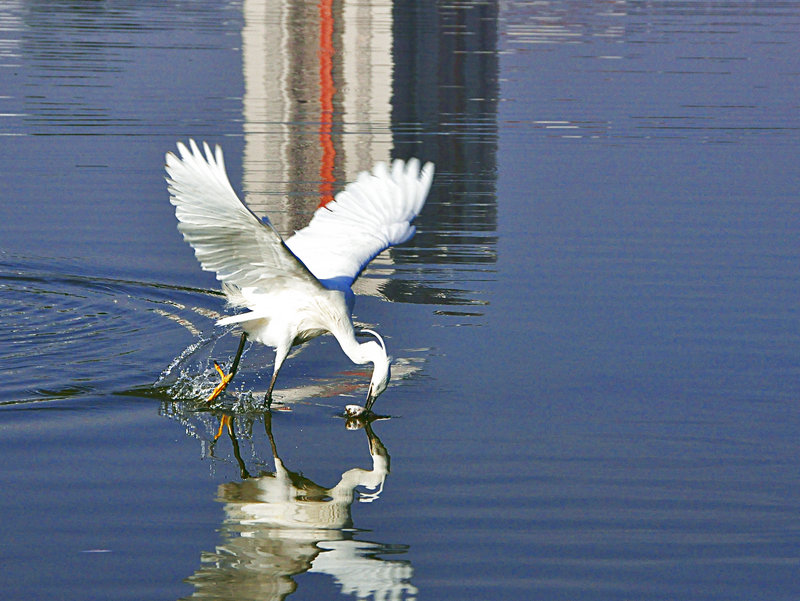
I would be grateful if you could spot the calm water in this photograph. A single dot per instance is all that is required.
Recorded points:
(596, 328)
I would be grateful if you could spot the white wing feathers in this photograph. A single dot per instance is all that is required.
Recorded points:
(368, 216)
(226, 236)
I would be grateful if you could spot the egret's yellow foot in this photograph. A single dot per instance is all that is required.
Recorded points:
(224, 422)
(221, 386)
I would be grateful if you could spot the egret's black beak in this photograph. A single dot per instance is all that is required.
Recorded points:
(370, 399)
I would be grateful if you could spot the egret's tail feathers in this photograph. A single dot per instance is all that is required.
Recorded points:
(241, 318)
(233, 294)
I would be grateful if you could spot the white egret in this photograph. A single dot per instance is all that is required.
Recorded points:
(299, 288)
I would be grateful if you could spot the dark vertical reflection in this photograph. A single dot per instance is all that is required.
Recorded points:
(444, 109)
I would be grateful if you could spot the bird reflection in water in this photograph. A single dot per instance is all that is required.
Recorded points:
(280, 524)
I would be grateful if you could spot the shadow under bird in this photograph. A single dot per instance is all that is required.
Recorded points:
(296, 289)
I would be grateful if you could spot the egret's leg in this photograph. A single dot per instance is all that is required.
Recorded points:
(268, 396)
(227, 378)
(235, 364)
(280, 356)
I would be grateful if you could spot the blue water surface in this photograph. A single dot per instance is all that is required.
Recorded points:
(595, 329)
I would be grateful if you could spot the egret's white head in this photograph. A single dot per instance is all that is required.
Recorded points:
(381, 372)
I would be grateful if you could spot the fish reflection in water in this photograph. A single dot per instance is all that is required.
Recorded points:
(280, 524)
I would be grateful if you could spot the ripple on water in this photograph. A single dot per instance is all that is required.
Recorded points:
(68, 335)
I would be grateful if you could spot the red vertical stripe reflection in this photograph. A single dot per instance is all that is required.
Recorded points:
(326, 92)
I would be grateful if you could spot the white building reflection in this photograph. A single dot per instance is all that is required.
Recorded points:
(317, 101)
(280, 524)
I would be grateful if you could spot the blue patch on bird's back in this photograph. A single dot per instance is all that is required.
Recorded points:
(341, 283)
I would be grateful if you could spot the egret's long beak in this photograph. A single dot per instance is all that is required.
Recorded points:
(370, 399)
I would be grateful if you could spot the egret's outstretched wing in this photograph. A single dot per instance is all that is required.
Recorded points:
(227, 237)
(368, 216)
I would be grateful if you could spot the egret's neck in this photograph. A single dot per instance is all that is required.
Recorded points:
(367, 352)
